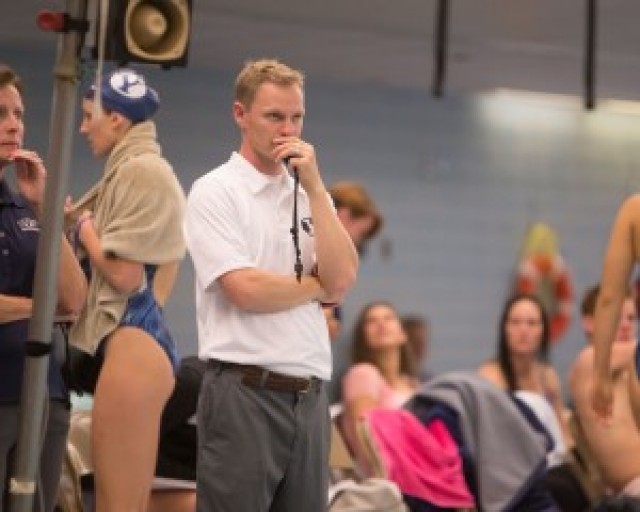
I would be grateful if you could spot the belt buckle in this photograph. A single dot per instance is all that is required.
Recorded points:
(308, 387)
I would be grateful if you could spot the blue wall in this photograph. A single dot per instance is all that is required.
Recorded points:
(459, 181)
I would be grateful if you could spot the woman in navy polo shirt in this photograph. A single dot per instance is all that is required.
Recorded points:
(19, 229)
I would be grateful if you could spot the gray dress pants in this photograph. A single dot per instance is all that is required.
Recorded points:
(261, 450)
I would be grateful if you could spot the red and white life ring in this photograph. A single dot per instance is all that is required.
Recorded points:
(547, 277)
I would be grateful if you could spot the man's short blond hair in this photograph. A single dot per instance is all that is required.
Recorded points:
(257, 72)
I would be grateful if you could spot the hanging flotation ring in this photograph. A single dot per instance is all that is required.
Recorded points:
(547, 277)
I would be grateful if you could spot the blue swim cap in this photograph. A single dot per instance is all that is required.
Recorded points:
(125, 91)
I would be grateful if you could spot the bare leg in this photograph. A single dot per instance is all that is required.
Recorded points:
(134, 385)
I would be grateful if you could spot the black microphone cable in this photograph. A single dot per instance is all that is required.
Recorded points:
(295, 230)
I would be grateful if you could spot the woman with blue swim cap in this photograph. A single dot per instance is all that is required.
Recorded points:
(128, 226)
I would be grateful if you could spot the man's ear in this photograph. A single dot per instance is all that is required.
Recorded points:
(239, 111)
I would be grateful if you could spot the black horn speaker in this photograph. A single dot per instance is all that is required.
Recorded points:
(150, 31)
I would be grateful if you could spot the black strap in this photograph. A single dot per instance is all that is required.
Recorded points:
(66, 365)
(37, 348)
(295, 231)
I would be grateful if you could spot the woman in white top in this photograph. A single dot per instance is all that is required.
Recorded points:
(521, 363)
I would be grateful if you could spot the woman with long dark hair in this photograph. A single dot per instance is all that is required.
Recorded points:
(522, 359)
(381, 375)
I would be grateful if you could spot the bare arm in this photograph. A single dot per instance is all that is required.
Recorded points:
(362, 444)
(260, 291)
(555, 392)
(72, 290)
(361, 392)
(577, 379)
(164, 280)
(336, 256)
(123, 275)
(14, 308)
(493, 374)
(634, 391)
(72, 284)
(623, 365)
(357, 408)
(618, 264)
(581, 374)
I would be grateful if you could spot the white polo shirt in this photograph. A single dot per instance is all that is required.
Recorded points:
(237, 218)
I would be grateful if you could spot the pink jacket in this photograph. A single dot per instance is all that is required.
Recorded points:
(423, 462)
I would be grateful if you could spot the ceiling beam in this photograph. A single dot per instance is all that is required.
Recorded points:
(591, 32)
(441, 37)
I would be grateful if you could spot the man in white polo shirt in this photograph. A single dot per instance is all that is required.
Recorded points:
(263, 425)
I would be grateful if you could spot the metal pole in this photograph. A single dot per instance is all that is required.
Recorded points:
(590, 55)
(32, 406)
(440, 47)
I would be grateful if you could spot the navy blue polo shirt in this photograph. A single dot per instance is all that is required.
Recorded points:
(19, 232)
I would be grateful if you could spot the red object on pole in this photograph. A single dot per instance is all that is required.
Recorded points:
(22, 484)
(51, 21)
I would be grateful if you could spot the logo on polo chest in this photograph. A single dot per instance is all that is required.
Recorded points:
(307, 225)
(28, 224)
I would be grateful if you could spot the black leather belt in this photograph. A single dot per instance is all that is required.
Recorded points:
(257, 377)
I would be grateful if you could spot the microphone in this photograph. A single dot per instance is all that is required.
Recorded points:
(286, 161)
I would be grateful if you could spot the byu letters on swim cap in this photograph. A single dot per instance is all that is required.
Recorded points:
(126, 92)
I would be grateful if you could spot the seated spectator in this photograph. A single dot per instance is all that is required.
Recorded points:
(522, 362)
(385, 440)
(382, 371)
(362, 221)
(592, 475)
(417, 329)
(357, 212)
(612, 441)
(381, 380)
(521, 367)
